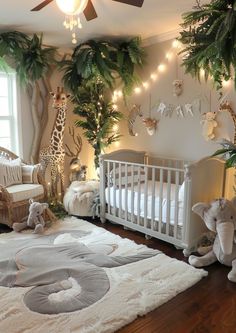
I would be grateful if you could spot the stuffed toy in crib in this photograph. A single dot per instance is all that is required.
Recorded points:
(219, 217)
(35, 219)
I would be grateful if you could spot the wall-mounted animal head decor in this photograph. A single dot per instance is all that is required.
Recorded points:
(151, 125)
(177, 87)
(134, 112)
(77, 171)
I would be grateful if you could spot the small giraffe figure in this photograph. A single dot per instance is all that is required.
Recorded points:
(54, 154)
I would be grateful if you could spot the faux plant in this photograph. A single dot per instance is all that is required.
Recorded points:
(228, 153)
(91, 74)
(30, 59)
(98, 117)
(105, 61)
(209, 37)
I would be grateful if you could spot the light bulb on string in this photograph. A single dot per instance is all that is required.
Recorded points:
(137, 90)
(146, 85)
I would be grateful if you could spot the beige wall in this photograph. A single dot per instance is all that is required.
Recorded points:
(175, 137)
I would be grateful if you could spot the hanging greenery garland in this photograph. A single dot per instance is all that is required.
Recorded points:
(209, 34)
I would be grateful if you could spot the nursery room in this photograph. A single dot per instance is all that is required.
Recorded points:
(117, 166)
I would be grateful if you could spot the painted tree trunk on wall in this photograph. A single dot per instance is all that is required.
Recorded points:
(38, 93)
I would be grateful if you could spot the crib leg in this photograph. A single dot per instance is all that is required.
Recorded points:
(103, 220)
(147, 237)
(187, 252)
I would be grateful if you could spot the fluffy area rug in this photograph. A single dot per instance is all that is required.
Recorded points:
(78, 278)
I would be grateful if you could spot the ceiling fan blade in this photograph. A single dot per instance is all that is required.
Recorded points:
(41, 5)
(90, 12)
(137, 3)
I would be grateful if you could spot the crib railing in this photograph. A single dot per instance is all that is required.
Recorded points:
(146, 198)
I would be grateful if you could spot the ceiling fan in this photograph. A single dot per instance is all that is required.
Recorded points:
(89, 11)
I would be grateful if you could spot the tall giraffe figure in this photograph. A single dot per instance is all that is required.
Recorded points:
(54, 154)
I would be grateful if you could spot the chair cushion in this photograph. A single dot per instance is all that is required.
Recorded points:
(25, 191)
(10, 171)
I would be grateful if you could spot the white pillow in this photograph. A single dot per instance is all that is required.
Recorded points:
(30, 173)
(10, 172)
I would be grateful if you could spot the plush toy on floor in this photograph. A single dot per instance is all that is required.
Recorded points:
(35, 220)
(220, 217)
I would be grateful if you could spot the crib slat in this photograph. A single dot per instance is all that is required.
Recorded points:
(145, 196)
(109, 187)
(168, 198)
(160, 199)
(138, 196)
(132, 194)
(126, 192)
(177, 188)
(114, 189)
(120, 192)
(153, 199)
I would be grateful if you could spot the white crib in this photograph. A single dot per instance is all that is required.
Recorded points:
(154, 195)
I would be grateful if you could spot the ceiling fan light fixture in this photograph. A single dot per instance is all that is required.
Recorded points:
(72, 7)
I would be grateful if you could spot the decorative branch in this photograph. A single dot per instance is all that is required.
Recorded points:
(78, 144)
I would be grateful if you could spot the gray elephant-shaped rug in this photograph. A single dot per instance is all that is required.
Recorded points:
(65, 277)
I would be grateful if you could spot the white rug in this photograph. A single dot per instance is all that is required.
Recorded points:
(135, 288)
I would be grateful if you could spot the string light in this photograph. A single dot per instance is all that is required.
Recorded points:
(169, 55)
(202, 72)
(115, 128)
(225, 83)
(145, 85)
(119, 93)
(161, 68)
(154, 75)
(137, 90)
(176, 44)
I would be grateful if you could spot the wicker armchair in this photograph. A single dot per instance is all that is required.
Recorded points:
(14, 200)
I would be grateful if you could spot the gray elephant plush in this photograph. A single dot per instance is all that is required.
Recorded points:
(35, 220)
(219, 217)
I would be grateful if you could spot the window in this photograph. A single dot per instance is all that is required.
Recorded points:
(8, 112)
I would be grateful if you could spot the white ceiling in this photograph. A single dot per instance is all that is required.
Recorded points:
(156, 17)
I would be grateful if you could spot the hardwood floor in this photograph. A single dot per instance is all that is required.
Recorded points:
(207, 307)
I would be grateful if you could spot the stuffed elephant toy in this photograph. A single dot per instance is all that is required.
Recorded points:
(35, 220)
(219, 217)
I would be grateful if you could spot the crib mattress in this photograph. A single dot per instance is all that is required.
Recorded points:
(126, 202)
